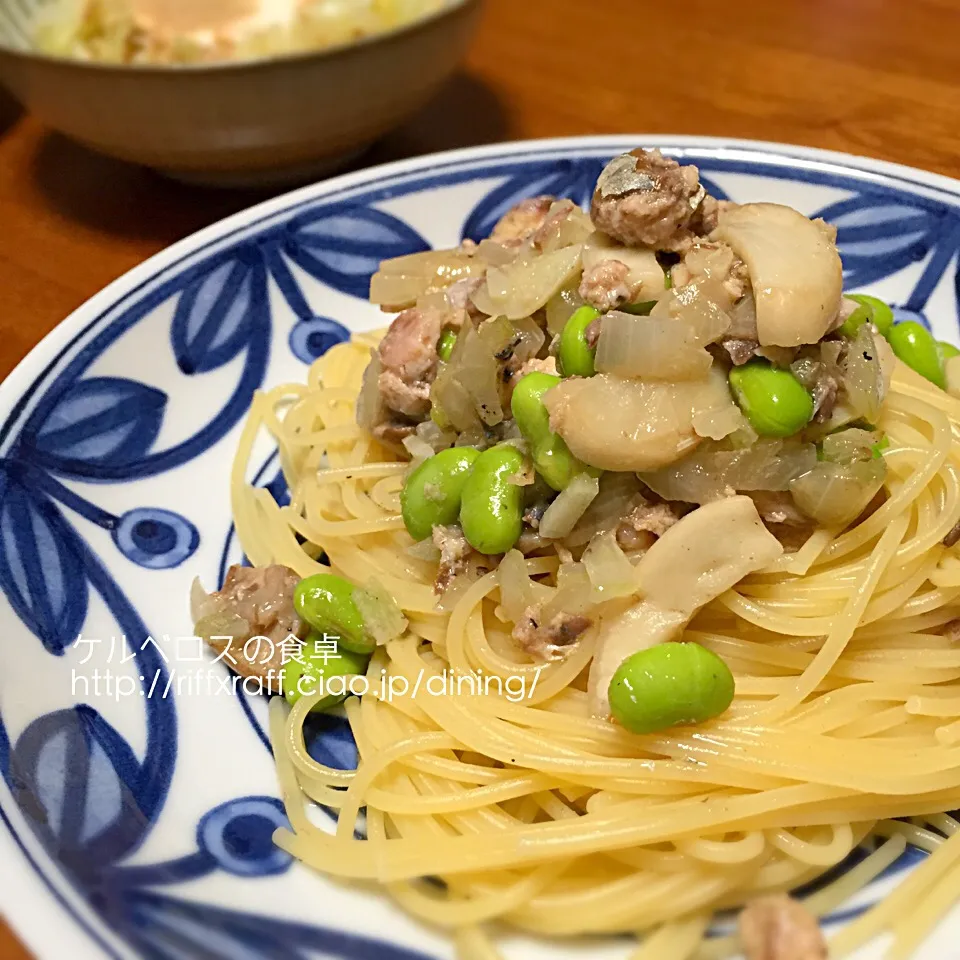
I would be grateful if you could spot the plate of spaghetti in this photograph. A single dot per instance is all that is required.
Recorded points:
(543, 551)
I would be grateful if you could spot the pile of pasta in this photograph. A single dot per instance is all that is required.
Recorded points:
(843, 733)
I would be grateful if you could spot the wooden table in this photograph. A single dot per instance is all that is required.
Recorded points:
(874, 77)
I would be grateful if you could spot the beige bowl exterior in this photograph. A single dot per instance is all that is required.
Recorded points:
(246, 123)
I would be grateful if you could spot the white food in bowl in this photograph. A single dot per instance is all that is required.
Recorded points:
(170, 32)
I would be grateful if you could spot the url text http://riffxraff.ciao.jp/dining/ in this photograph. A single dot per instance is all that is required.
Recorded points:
(190, 668)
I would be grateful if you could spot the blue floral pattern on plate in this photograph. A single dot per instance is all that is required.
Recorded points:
(113, 436)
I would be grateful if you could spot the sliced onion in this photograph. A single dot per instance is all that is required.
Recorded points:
(436, 438)
(424, 550)
(467, 389)
(849, 446)
(496, 334)
(516, 594)
(715, 414)
(702, 306)
(711, 472)
(668, 344)
(807, 370)
(719, 422)
(221, 624)
(835, 494)
(203, 604)
(562, 306)
(709, 260)
(475, 436)
(654, 348)
(418, 449)
(843, 415)
(862, 375)
(574, 594)
(482, 300)
(479, 372)
(562, 515)
(610, 572)
(382, 616)
(400, 282)
(451, 397)
(619, 496)
(521, 288)
(743, 318)
(565, 226)
(370, 408)
(531, 338)
(495, 254)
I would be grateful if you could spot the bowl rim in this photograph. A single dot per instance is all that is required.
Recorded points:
(451, 9)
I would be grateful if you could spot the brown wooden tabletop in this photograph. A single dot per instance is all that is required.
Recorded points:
(873, 77)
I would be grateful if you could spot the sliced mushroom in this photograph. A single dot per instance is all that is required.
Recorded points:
(794, 268)
(646, 277)
(696, 560)
(618, 424)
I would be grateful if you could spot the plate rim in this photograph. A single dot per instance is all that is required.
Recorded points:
(25, 910)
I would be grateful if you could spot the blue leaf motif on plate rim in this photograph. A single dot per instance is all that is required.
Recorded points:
(315, 236)
(344, 246)
(879, 235)
(99, 422)
(218, 314)
(41, 562)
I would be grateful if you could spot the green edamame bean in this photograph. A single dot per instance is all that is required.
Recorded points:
(445, 346)
(527, 405)
(670, 684)
(551, 456)
(773, 400)
(313, 669)
(491, 511)
(431, 494)
(870, 310)
(325, 601)
(915, 346)
(576, 358)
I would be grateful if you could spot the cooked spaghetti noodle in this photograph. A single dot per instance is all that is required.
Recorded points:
(533, 813)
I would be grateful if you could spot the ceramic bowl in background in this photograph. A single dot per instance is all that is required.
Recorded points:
(274, 120)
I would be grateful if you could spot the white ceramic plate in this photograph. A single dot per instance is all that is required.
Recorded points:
(138, 797)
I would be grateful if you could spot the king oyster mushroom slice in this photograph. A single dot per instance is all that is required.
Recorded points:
(695, 561)
(794, 267)
(616, 423)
